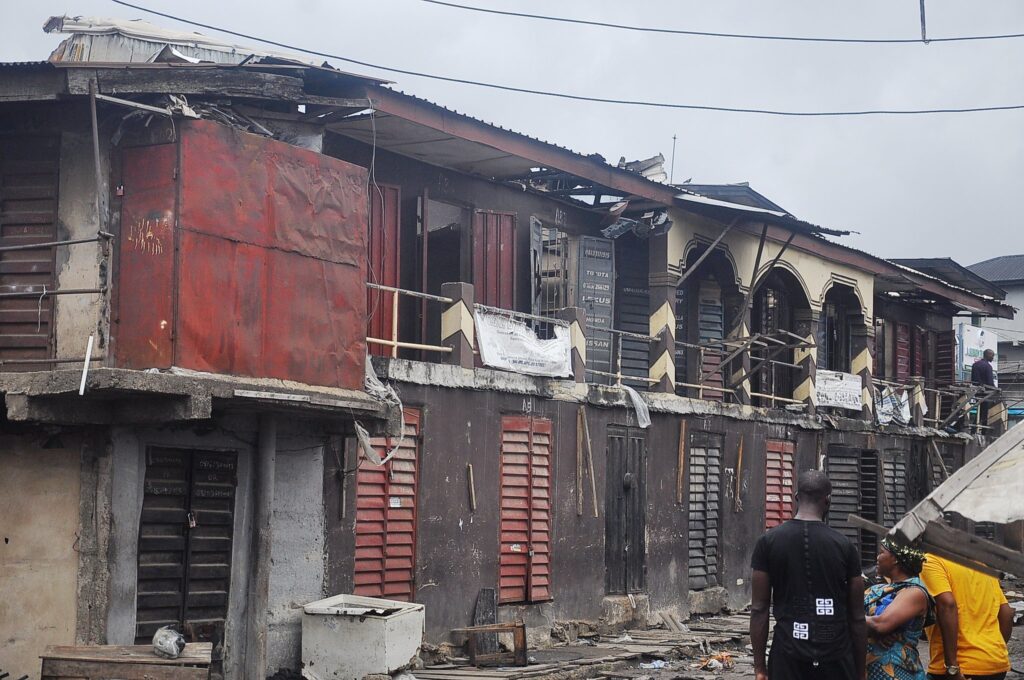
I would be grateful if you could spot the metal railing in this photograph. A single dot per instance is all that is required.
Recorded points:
(393, 342)
(616, 337)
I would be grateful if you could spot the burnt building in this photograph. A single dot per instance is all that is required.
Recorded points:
(200, 247)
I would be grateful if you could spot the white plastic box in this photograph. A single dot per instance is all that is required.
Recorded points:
(347, 637)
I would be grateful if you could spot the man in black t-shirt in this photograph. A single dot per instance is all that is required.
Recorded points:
(810, 576)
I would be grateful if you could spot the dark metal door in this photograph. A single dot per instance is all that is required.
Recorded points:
(185, 539)
(626, 511)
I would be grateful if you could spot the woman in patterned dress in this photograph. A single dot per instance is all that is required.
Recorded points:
(897, 613)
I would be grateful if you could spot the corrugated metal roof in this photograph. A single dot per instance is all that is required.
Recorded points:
(952, 271)
(740, 192)
(1002, 269)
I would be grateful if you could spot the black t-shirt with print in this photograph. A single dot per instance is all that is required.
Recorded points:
(810, 566)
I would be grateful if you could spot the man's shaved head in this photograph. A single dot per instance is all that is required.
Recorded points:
(813, 487)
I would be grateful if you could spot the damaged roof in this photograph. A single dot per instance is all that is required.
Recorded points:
(949, 270)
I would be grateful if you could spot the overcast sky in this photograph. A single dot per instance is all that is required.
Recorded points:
(913, 186)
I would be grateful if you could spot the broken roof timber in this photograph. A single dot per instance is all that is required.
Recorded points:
(541, 154)
(880, 267)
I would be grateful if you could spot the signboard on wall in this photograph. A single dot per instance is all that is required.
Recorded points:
(511, 345)
(596, 281)
(839, 390)
(972, 341)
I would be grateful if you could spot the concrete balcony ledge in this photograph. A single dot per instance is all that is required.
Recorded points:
(125, 396)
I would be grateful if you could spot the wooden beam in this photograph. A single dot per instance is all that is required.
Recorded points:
(714, 244)
(741, 312)
(681, 462)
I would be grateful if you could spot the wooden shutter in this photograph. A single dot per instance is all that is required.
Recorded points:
(632, 307)
(894, 482)
(902, 352)
(29, 170)
(869, 490)
(843, 468)
(184, 572)
(704, 494)
(494, 258)
(383, 262)
(524, 561)
(385, 560)
(710, 325)
(778, 482)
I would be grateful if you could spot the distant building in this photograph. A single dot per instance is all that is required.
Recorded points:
(1007, 272)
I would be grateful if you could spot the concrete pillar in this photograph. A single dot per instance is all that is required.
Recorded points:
(805, 391)
(457, 330)
(577, 318)
(861, 343)
(663, 329)
(259, 586)
(741, 364)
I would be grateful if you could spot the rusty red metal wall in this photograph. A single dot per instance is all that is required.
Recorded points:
(385, 556)
(270, 266)
(494, 258)
(144, 293)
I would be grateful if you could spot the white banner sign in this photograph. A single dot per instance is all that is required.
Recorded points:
(841, 390)
(511, 345)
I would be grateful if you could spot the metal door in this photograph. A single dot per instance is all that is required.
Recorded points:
(385, 564)
(632, 307)
(185, 540)
(494, 258)
(626, 511)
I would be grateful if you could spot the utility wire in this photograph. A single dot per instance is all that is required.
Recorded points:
(747, 36)
(576, 97)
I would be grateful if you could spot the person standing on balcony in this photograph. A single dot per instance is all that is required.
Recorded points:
(810, 576)
(982, 373)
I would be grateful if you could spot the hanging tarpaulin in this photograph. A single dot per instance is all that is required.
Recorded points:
(891, 406)
(841, 390)
(511, 345)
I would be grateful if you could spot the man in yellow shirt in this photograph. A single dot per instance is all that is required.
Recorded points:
(973, 614)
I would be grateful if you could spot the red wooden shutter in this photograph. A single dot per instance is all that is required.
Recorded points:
(945, 357)
(902, 352)
(778, 482)
(382, 254)
(494, 259)
(385, 563)
(524, 563)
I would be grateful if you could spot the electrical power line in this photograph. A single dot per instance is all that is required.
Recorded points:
(711, 34)
(576, 97)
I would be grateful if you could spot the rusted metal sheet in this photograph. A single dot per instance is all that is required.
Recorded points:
(145, 284)
(385, 559)
(778, 482)
(525, 527)
(383, 251)
(269, 280)
(494, 258)
(28, 215)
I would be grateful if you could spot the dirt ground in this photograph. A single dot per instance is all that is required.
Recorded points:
(743, 668)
